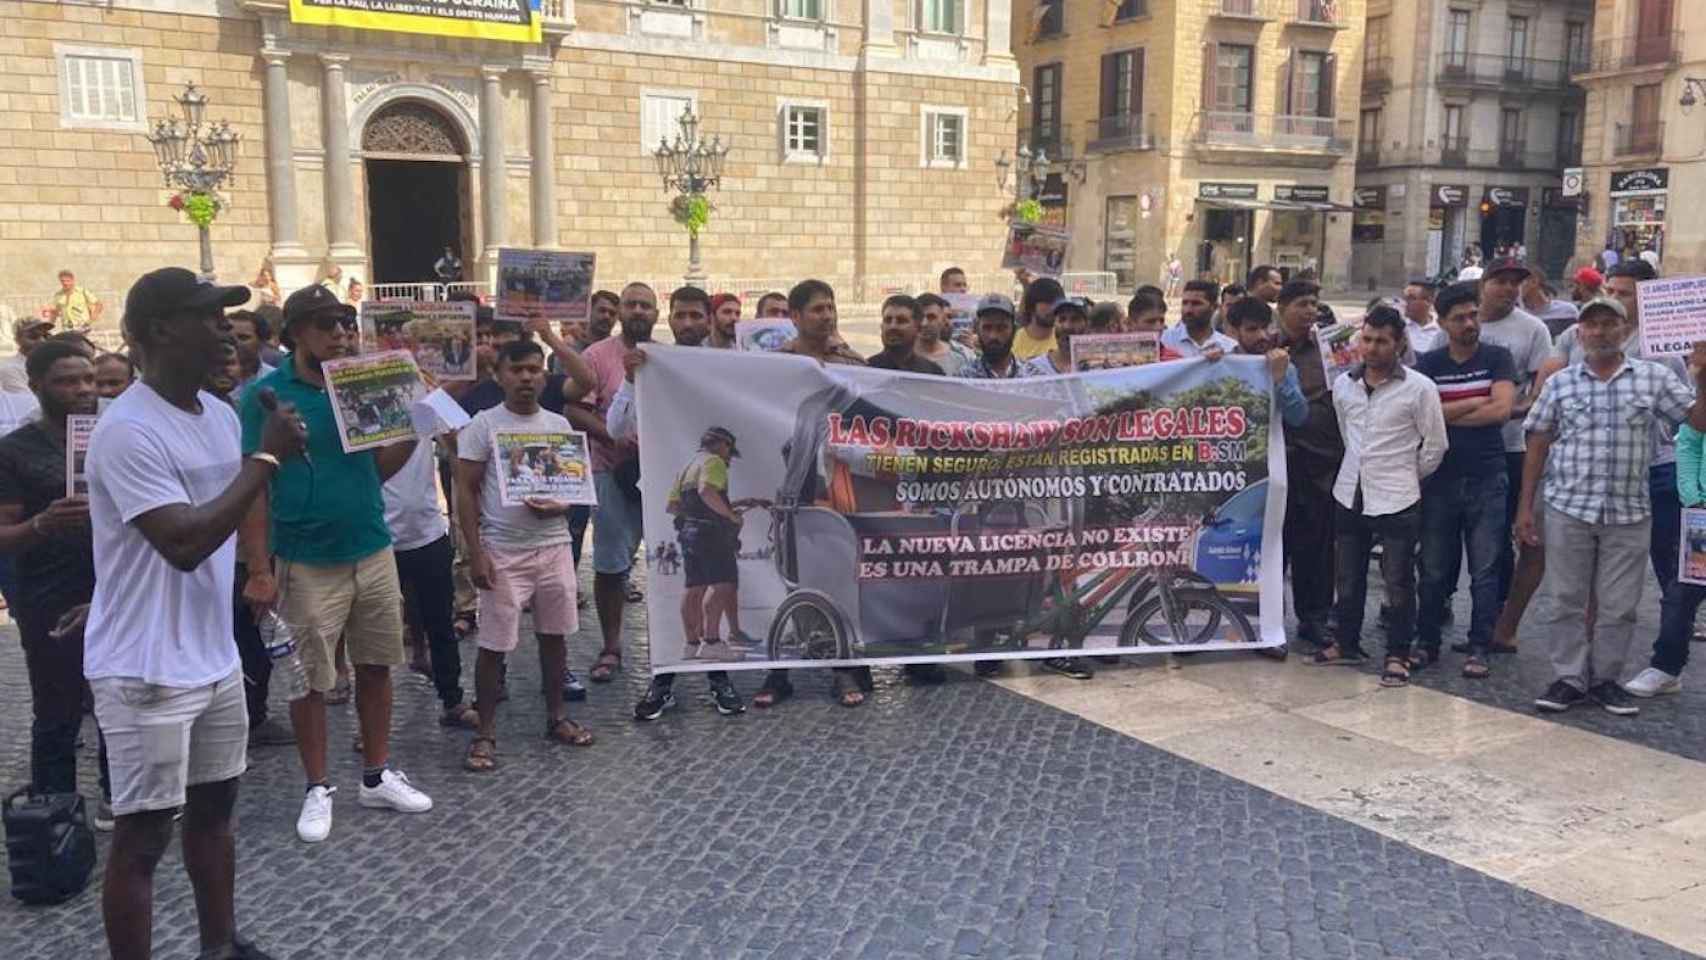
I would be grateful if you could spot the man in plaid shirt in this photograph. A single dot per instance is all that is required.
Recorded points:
(1594, 421)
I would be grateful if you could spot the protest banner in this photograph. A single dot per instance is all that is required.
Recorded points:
(79, 427)
(545, 466)
(515, 21)
(895, 520)
(549, 285)
(1341, 348)
(1040, 250)
(763, 336)
(1673, 315)
(1692, 555)
(962, 312)
(1109, 351)
(372, 396)
(440, 333)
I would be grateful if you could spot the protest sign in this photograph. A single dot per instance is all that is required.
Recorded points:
(547, 466)
(1673, 315)
(544, 285)
(440, 333)
(372, 396)
(1341, 348)
(1692, 554)
(764, 336)
(1108, 351)
(1041, 250)
(895, 520)
(79, 427)
(962, 311)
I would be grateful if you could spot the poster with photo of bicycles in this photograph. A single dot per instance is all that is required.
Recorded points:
(892, 518)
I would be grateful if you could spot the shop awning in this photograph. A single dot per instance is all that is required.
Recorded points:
(1310, 205)
(1234, 204)
(1322, 205)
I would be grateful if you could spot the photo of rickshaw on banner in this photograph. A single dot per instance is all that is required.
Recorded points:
(887, 517)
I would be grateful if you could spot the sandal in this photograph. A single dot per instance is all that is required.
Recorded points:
(605, 667)
(1475, 668)
(633, 595)
(773, 691)
(847, 692)
(482, 756)
(461, 715)
(1334, 656)
(569, 733)
(339, 694)
(1396, 672)
(1421, 659)
(464, 624)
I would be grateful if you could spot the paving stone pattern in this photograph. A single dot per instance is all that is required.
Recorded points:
(953, 821)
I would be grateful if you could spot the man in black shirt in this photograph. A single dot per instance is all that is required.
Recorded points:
(900, 338)
(47, 534)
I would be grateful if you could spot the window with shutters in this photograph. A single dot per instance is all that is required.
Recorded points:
(1050, 18)
(1121, 96)
(1569, 138)
(660, 116)
(1234, 65)
(1368, 131)
(1457, 39)
(942, 16)
(1309, 96)
(1376, 39)
(1510, 137)
(799, 9)
(943, 134)
(101, 87)
(1045, 107)
(1516, 38)
(1576, 45)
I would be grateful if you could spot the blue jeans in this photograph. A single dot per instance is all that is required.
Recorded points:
(1462, 514)
(1676, 626)
(1667, 524)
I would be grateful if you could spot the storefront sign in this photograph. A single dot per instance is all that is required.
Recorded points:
(1628, 183)
(1226, 191)
(513, 20)
(1449, 195)
(1507, 196)
(1301, 193)
(1369, 198)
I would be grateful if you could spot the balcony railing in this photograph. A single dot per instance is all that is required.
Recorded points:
(1570, 154)
(1368, 154)
(556, 12)
(1377, 74)
(1128, 131)
(1511, 153)
(1243, 9)
(1635, 139)
(1458, 68)
(1047, 141)
(1225, 128)
(1454, 151)
(1316, 13)
(1632, 53)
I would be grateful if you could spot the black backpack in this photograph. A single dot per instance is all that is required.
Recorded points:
(49, 846)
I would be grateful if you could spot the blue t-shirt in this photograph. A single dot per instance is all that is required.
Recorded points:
(1473, 451)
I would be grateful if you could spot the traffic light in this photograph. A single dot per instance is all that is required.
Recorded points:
(1486, 208)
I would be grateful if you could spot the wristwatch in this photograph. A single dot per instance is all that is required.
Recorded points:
(264, 457)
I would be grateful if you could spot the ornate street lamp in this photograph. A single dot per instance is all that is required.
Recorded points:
(689, 167)
(196, 159)
(1693, 91)
(1025, 171)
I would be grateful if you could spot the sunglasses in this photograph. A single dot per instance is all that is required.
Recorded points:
(326, 321)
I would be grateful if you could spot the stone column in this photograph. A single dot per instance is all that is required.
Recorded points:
(879, 27)
(998, 32)
(543, 176)
(334, 134)
(493, 210)
(281, 171)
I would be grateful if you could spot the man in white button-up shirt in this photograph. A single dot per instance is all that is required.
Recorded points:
(1394, 434)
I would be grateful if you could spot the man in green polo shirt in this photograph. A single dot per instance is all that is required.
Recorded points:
(329, 568)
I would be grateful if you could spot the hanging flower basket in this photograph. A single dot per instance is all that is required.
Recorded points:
(1027, 211)
(199, 207)
(691, 211)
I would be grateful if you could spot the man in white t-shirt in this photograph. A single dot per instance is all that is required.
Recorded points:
(168, 486)
(517, 555)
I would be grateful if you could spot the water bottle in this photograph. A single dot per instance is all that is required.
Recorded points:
(280, 643)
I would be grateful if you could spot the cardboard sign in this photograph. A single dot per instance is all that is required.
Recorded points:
(1673, 315)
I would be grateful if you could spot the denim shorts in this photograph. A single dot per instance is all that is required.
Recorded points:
(163, 740)
(618, 526)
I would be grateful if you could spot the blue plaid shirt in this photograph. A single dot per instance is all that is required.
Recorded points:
(1601, 437)
(979, 370)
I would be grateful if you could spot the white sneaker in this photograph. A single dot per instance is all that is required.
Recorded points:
(1653, 682)
(316, 819)
(394, 792)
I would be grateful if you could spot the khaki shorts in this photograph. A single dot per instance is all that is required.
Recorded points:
(359, 601)
(163, 740)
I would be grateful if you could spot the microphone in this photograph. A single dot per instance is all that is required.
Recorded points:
(268, 399)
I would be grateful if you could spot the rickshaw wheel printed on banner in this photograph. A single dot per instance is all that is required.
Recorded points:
(1197, 616)
(809, 627)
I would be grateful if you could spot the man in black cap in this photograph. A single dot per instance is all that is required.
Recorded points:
(335, 574)
(168, 486)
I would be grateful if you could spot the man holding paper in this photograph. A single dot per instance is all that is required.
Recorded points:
(518, 553)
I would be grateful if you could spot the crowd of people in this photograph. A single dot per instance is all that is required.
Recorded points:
(1488, 423)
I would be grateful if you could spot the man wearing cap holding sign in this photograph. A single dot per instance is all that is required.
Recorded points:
(1584, 495)
(335, 573)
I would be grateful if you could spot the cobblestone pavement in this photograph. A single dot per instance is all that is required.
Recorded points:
(954, 821)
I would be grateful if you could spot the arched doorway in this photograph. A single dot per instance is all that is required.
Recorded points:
(417, 190)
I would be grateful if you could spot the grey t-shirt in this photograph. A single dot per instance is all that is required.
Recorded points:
(509, 528)
(1530, 343)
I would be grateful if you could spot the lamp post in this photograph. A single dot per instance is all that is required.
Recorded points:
(690, 166)
(196, 158)
(1693, 91)
(1025, 171)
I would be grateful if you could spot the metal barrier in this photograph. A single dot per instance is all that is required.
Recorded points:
(406, 291)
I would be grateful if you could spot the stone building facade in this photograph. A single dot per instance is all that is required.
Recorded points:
(1218, 130)
(1469, 118)
(1645, 145)
(863, 137)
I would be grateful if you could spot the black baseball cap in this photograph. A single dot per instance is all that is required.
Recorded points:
(720, 435)
(171, 289)
(313, 300)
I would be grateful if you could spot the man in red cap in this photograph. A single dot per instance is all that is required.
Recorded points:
(725, 313)
(1585, 285)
